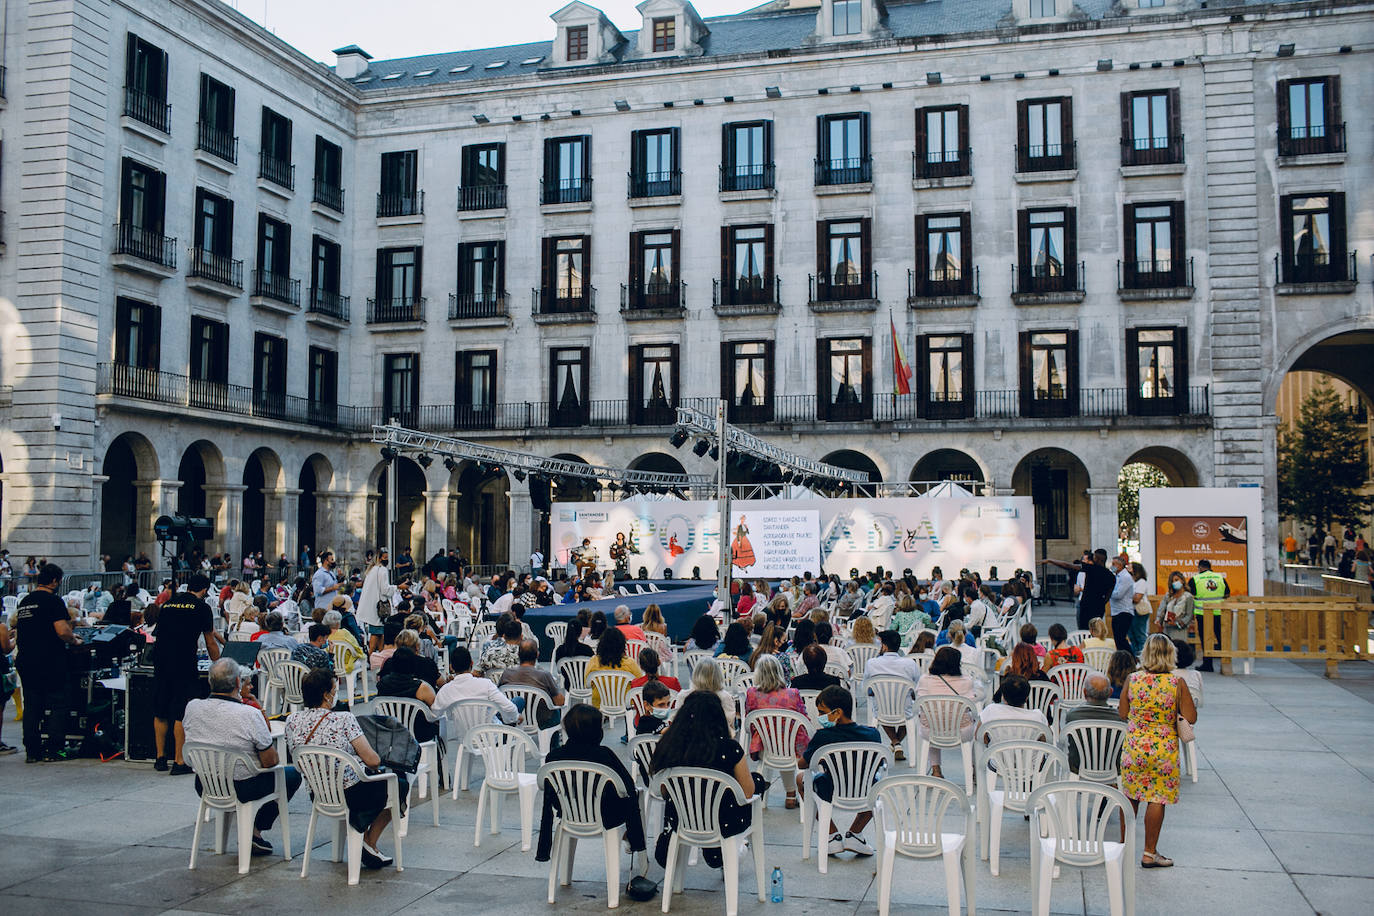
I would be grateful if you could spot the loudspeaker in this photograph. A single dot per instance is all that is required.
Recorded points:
(138, 718)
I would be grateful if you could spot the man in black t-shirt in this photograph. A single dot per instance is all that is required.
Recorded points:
(1098, 582)
(182, 620)
(44, 631)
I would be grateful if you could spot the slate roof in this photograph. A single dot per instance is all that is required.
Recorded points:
(754, 31)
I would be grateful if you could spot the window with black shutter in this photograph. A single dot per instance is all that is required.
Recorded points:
(1150, 133)
(942, 144)
(567, 170)
(1049, 373)
(1154, 244)
(143, 196)
(842, 151)
(481, 279)
(1157, 371)
(944, 376)
(655, 166)
(269, 374)
(1044, 135)
(844, 378)
(474, 395)
(747, 264)
(274, 157)
(324, 384)
(654, 280)
(399, 194)
(329, 174)
(746, 381)
(138, 334)
(565, 286)
(569, 378)
(209, 360)
(483, 177)
(1309, 115)
(145, 83)
(1312, 238)
(401, 387)
(746, 156)
(844, 256)
(653, 384)
(1048, 247)
(215, 127)
(944, 255)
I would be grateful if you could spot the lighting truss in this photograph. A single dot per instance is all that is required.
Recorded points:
(403, 440)
(737, 440)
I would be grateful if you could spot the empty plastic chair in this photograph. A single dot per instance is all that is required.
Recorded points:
(891, 701)
(573, 671)
(503, 749)
(1018, 768)
(1069, 824)
(910, 814)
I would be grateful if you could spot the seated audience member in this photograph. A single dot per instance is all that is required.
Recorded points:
(624, 622)
(803, 635)
(423, 666)
(736, 643)
(814, 660)
(770, 691)
(659, 702)
(958, 636)
(707, 677)
(835, 706)
(772, 642)
(610, 656)
(502, 652)
(1029, 636)
(1061, 653)
(1023, 661)
(923, 643)
(1097, 690)
(597, 627)
(1099, 637)
(649, 664)
(1009, 703)
(337, 634)
(836, 656)
(224, 720)
(1119, 670)
(704, 636)
(313, 653)
(572, 645)
(464, 686)
(529, 674)
(945, 678)
(317, 723)
(274, 636)
(862, 633)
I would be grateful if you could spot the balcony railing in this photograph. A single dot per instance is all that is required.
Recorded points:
(860, 285)
(277, 287)
(1002, 405)
(328, 194)
(565, 191)
(482, 197)
(942, 281)
(654, 184)
(1048, 157)
(278, 171)
(746, 177)
(328, 303)
(747, 291)
(150, 109)
(1312, 140)
(942, 163)
(655, 294)
(396, 309)
(1151, 150)
(490, 304)
(216, 142)
(1154, 274)
(1320, 267)
(563, 301)
(844, 171)
(219, 268)
(412, 204)
(148, 246)
(1047, 278)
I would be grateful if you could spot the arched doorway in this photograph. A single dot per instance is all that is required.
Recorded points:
(261, 512)
(316, 475)
(857, 461)
(410, 505)
(124, 518)
(201, 467)
(947, 464)
(1155, 466)
(1057, 482)
(545, 492)
(483, 516)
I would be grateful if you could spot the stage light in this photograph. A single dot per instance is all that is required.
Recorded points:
(388, 453)
(519, 475)
(700, 448)
(679, 436)
(425, 460)
(615, 487)
(596, 486)
(494, 469)
(715, 453)
(450, 463)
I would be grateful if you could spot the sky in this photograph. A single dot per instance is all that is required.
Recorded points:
(403, 28)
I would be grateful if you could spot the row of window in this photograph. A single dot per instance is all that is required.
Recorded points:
(1156, 365)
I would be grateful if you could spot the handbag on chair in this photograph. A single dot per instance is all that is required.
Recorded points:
(392, 741)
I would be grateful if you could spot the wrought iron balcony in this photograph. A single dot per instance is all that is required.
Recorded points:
(328, 303)
(411, 204)
(565, 191)
(482, 197)
(150, 109)
(218, 268)
(396, 309)
(328, 194)
(747, 177)
(146, 245)
(844, 171)
(278, 171)
(216, 142)
(277, 287)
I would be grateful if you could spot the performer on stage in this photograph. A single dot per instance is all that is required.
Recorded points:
(584, 557)
(740, 548)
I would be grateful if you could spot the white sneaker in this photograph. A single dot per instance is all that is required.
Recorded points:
(855, 843)
(836, 845)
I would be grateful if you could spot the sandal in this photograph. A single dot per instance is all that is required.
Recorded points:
(791, 803)
(1155, 861)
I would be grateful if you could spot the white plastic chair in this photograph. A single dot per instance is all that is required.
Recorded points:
(503, 749)
(853, 767)
(694, 656)
(349, 677)
(535, 699)
(634, 646)
(483, 632)
(1070, 678)
(1044, 696)
(579, 786)
(1187, 755)
(890, 702)
(909, 813)
(860, 656)
(923, 660)
(611, 687)
(983, 693)
(945, 718)
(696, 794)
(268, 661)
(573, 671)
(1069, 823)
(462, 716)
(809, 699)
(215, 768)
(732, 668)
(1098, 743)
(1098, 658)
(667, 658)
(1021, 768)
(291, 674)
(323, 770)
(408, 711)
(556, 631)
(779, 731)
(1076, 637)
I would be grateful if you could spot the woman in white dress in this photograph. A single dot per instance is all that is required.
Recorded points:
(376, 587)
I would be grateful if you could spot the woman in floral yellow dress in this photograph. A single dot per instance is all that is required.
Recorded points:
(1151, 704)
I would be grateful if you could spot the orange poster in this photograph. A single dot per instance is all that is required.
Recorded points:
(1182, 540)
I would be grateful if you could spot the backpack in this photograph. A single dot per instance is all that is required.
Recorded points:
(392, 741)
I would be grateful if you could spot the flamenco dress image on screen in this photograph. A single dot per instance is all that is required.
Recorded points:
(741, 550)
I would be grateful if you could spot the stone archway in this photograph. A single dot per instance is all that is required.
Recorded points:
(1059, 484)
(857, 461)
(947, 464)
(126, 517)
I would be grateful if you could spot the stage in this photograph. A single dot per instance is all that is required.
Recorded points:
(682, 602)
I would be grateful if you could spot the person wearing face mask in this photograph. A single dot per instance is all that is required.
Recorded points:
(1123, 608)
(659, 701)
(835, 709)
(1174, 616)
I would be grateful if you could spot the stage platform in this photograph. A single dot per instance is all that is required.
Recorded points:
(681, 600)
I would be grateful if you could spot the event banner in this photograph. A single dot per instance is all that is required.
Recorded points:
(772, 538)
(1182, 540)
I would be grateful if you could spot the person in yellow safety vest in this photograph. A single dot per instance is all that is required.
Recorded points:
(1208, 589)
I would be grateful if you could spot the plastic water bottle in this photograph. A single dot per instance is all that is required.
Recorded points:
(777, 885)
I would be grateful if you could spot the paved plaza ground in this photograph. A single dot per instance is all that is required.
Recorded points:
(1281, 822)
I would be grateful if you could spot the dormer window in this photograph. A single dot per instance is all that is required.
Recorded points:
(848, 16)
(1042, 9)
(577, 42)
(665, 34)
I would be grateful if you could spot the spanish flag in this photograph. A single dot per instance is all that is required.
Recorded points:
(899, 364)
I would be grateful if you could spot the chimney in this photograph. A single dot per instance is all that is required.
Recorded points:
(350, 61)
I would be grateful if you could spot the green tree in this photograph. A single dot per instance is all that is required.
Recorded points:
(1322, 464)
(1128, 484)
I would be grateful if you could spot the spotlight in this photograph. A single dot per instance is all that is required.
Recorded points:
(519, 475)
(450, 464)
(596, 486)
(679, 436)
(615, 487)
(425, 460)
(388, 453)
(700, 448)
(715, 453)
(494, 469)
